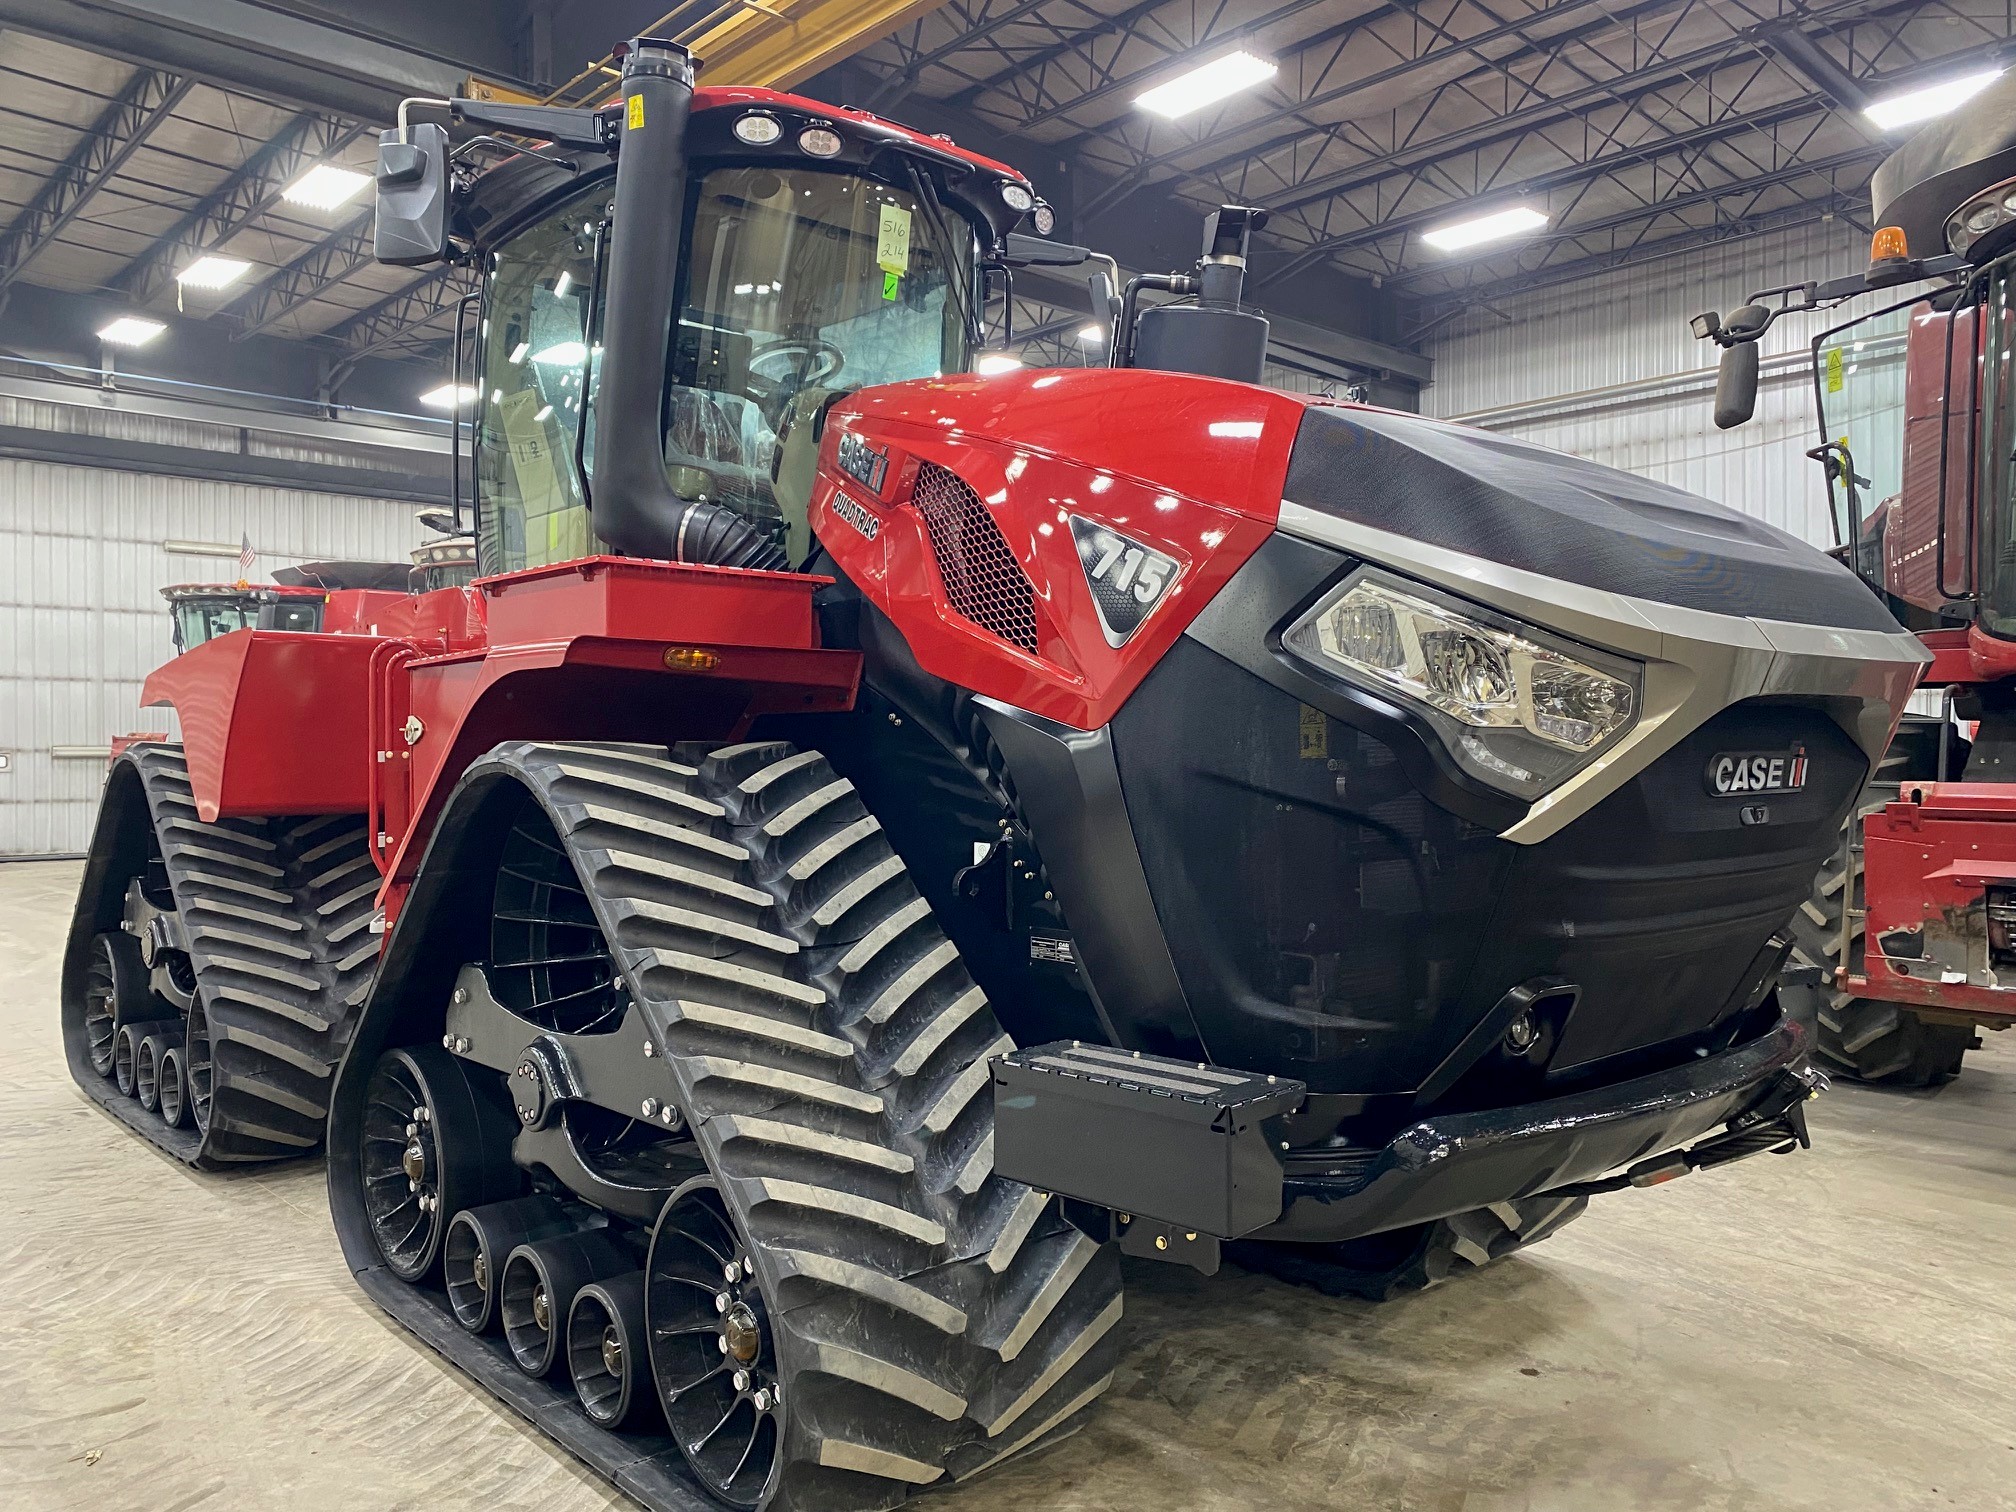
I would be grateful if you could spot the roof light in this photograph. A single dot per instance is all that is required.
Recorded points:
(130, 331)
(449, 396)
(1932, 101)
(1018, 198)
(987, 364)
(212, 272)
(1485, 228)
(1207, 84)
(758, 130)
(819, 142)
(325, 186)
(562, 354)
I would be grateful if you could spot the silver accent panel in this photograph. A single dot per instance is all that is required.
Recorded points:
(1696, 664)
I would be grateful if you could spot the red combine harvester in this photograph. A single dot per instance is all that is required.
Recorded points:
(1912, 926)
(876, 839)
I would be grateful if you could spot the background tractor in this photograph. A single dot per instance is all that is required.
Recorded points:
(875, 839)
(1909, 928)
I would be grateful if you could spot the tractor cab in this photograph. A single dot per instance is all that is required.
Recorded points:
(201, 612)
(799, 252)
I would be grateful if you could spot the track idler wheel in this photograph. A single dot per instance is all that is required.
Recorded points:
(174, 1102)
(115, 993)
(535, 1294)
(433, 1144)
(712, 1355)
(478, 1242)
(126, 1052)
(607, 1353)
(147, 1070)
(198, 1065)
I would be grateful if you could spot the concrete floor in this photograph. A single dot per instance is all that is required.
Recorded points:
(1834, 1331)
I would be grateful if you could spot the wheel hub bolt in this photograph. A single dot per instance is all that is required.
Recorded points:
(742, 1334)
(721, 1300)
(414, 1161)
(479, 1272)
(741, 1379)
(762, 1401)
(612, 1351)
(542, 1309)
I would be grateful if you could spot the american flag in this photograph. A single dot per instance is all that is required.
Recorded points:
(246, 555)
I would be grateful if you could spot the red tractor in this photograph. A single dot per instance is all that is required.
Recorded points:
(876, 839)
(1912, 925)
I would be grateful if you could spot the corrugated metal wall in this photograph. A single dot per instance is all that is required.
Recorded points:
(1609, 370)
(82, 620)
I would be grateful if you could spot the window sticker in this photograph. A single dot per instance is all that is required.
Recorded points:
(892, 241)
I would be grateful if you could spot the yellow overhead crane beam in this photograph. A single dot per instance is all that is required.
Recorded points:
(773, 43)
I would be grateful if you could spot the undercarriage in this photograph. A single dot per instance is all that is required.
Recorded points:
(214, 969)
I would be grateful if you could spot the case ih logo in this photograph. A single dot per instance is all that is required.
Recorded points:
(864, 463)
(1743, 773)
(855, 515)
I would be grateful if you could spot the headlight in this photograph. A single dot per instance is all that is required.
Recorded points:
(1017, 198)
(1516, 712)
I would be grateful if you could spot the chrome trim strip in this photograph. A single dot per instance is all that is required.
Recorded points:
(1696, 663)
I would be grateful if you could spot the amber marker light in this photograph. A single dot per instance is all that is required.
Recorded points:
(691, 659)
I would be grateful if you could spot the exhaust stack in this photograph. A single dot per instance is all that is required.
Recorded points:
(632, 503)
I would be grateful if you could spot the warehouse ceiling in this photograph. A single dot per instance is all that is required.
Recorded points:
(1639, 129)
(134, 138)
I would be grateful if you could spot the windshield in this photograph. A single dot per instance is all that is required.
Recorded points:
(797, 284)
(201, 620)
(1859, 382)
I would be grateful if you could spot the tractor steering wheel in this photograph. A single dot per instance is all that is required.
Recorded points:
(809, 363)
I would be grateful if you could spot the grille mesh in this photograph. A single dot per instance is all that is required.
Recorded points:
(982, 579)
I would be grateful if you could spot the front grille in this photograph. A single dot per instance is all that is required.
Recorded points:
(983, 581)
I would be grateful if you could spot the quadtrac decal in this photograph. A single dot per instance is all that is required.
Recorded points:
(850, 511)
(1739, 773)
(1127, 578)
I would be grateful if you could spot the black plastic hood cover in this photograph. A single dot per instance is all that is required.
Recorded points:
(1563, 517)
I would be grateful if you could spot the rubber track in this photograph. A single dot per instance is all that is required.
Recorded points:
(277, 913)
(831, 1051)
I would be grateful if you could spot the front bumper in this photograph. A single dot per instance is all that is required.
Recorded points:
(1462, 1161)
(1198, 1151)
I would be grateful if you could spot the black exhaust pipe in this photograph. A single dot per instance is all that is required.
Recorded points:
(633, 506)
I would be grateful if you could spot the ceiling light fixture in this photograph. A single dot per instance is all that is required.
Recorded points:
(130, 331)
(449, 396)
(1092, 335)
(562, 354)
(1479, 229)
(212, 272)
(1207, 84)
(325, 187)
(1932, 101)
(990, 363)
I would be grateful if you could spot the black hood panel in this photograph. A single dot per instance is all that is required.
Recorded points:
(1564, 517)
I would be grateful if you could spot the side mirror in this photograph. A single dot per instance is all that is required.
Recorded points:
(1021, 251)
(412, 224)
(1736, 386)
